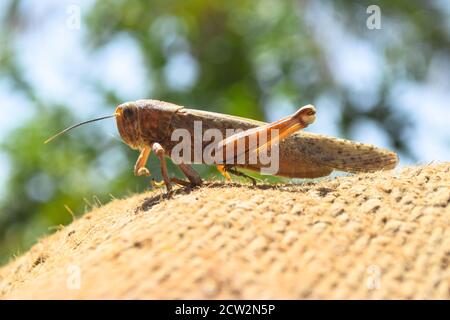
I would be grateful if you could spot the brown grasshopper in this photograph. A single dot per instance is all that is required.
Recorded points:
(148, 125)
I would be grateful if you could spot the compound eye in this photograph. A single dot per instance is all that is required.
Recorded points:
(127, 112)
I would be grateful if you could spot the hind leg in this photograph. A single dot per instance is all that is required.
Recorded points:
(241, 174)
(225, 170)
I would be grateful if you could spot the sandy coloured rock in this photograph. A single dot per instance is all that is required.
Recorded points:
(380, 235)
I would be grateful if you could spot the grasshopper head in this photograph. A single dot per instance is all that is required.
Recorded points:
(127, 119)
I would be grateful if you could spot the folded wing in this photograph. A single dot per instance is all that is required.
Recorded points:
(344, 155)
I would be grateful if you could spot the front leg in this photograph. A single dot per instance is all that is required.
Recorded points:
(160, 153)
(139, 167)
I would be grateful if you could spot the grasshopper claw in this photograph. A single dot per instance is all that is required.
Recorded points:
(143, 172)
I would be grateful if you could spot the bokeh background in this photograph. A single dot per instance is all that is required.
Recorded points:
(257, 59)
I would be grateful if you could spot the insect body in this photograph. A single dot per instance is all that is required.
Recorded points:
(147, 125)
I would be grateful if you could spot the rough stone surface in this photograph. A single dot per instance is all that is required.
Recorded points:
(367, 236)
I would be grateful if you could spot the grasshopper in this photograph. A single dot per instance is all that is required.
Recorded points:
(148, 125)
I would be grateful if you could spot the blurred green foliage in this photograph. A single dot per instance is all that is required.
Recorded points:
(244, 53)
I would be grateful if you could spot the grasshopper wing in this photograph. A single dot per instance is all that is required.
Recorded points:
(345, 155)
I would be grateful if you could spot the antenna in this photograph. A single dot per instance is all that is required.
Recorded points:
(77, 125)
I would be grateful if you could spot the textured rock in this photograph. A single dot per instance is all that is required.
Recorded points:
(382, 235)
